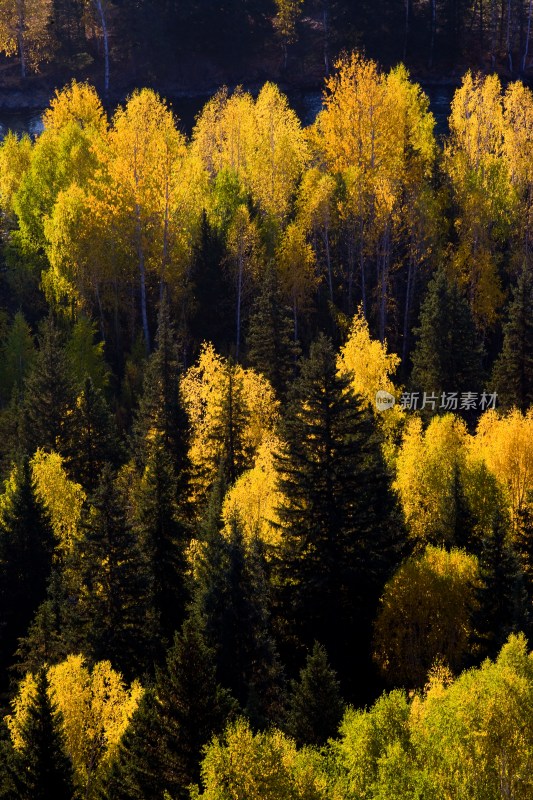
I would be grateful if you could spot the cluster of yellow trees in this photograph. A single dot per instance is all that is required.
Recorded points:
(471, 737)
(349, 204)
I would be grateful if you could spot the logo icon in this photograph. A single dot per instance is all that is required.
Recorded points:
(384, 400)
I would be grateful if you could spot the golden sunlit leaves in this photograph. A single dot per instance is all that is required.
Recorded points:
(366, 362)
(96, 706)
(426, 614)
(205, 389)
(254, 498)
(427, 468)
(506, 445)
(77, 103)
(261, 141)
(62, 497)
(25, 29)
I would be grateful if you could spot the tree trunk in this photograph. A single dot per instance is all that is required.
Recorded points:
(103, 22)
(406, 29)
(508, 37)
(433, 31)
(528, 34)
(20, 38)
(325, 17)
(142, 277)
(328, 262)
(239, 301)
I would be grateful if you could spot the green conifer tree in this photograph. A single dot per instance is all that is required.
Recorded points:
(161, 750)
(18, 355)
(503, 596)
(43, 770)
(85, 357)
(447, 356)
(210, 317)
(26, 546)
(49, 395)
(513, 370)
(114, 617)
(163, 536)
(45, 641)
(232, 597)
(341, 535)
(161, 417)
(315, 706)
(271, 347)
(93, 439)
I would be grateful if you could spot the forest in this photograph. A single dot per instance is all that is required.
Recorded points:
(226, 570)
(194, 45)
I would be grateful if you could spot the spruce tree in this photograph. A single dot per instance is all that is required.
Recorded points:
(232, 597)
(26, 546)
(114, 617)
(523, 539)
(45, 641)
(18, 355)
(341, 536)
(161, 416)
(161, 749)
(43, 770)
(503, 598)
(49, 395)
(447, 356)
(513, 370)
(93, 438)
(315, 706)
(163, 536)
(210, 317)
(271, 347)
(229, 424)
(8, 761)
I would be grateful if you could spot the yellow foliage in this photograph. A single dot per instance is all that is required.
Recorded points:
(426, 471)
(62, 497)
(204, 389)
(261, 142)
(296, 264)
(505, 443)
(96, 706)
(254, 497)
(426, 614)
(366, 362)
(77, 103)
(262, 766)
(480, 174)
(25, 24)
(15, 157)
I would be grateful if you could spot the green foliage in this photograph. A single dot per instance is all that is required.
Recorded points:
(93, 439)
(513, 370)
(110, 614)
(85, 356)
(447, 355)
(43, 770)
(48, 395)
(26, 545)
(503, 596)
(315, 707)
(18, 354)
(271, 347)
(161, 750)
(162, 535)
(232, 597)
(340, 535)
(261, 766)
